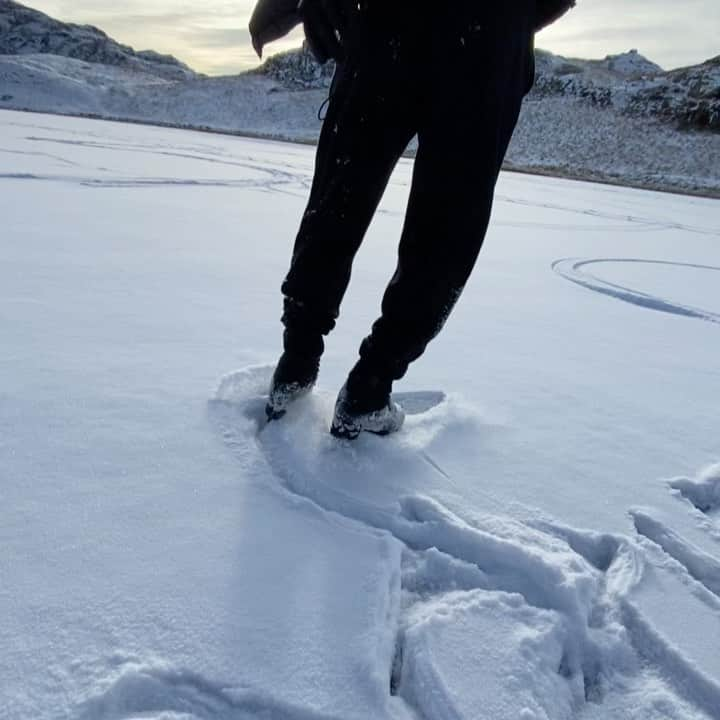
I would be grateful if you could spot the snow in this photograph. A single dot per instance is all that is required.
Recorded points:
(543, 543)
(631, 64)
(480, 654)
(26, 31)
(703, 492)
(560, 132)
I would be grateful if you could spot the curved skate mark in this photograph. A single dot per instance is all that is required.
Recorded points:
(577, 227)
(140, 688)
(277, 174)
(673, 623)
(687, 679)
(570, 269)
(701, 566)
(29, 153)
(140, 182)
(646, 222)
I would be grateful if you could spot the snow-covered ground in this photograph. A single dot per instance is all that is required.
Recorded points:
(545, 544)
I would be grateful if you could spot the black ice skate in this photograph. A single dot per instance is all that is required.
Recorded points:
(294, 377)
(364, 405)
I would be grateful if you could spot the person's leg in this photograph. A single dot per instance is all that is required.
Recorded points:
(480, 66)
(367, 127)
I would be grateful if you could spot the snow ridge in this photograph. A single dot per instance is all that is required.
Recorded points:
(701, 565)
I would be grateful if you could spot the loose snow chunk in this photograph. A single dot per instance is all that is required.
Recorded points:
(704, 491)
(486, 656)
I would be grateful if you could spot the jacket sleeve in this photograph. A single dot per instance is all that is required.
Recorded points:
(548, 11)
(271, 20)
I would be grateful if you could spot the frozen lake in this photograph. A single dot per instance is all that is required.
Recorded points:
(544, 544)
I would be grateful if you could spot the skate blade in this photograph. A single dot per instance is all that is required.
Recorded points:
(272, 414)
(342, 433)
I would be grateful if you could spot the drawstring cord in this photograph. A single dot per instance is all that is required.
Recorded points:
(331, 92)
(325, 103)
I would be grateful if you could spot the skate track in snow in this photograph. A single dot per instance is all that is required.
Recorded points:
(572, 269)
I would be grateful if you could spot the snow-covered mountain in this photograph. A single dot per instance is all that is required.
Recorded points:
(25, 31)
(622, 119)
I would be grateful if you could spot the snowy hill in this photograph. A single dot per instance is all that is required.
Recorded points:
(24, 31)
(622, 119)
(542, 545)
(629, 83)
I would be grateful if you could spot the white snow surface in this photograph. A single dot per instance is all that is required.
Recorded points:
(543, 544)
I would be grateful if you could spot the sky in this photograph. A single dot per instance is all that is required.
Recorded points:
(212, 36)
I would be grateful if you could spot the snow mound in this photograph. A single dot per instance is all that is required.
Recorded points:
(488, 654)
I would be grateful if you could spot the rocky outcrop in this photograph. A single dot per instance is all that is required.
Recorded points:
(687, 97)
(25, 31)
(297, 70)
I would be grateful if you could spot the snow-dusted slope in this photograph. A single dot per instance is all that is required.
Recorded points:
(627, 83)
(688, 98)
(615, 120)
(26, 31)
(246, 104)
(556, 134)
(540, 546)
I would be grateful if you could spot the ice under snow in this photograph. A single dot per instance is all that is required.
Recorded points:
(544, 544)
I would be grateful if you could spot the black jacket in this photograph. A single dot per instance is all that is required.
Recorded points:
(548, 11)
(273, 19)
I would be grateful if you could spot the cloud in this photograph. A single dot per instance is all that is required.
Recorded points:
(219, 38)
(669, 32)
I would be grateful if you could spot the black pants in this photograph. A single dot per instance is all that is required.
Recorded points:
(456, 78)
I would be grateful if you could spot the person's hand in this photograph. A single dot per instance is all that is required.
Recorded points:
(326, 23)
(548, 11)
(272, 20)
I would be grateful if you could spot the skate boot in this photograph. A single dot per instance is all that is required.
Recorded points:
(364, 405)
(294, 376)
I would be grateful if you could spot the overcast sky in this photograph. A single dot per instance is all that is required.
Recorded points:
(211, 35)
